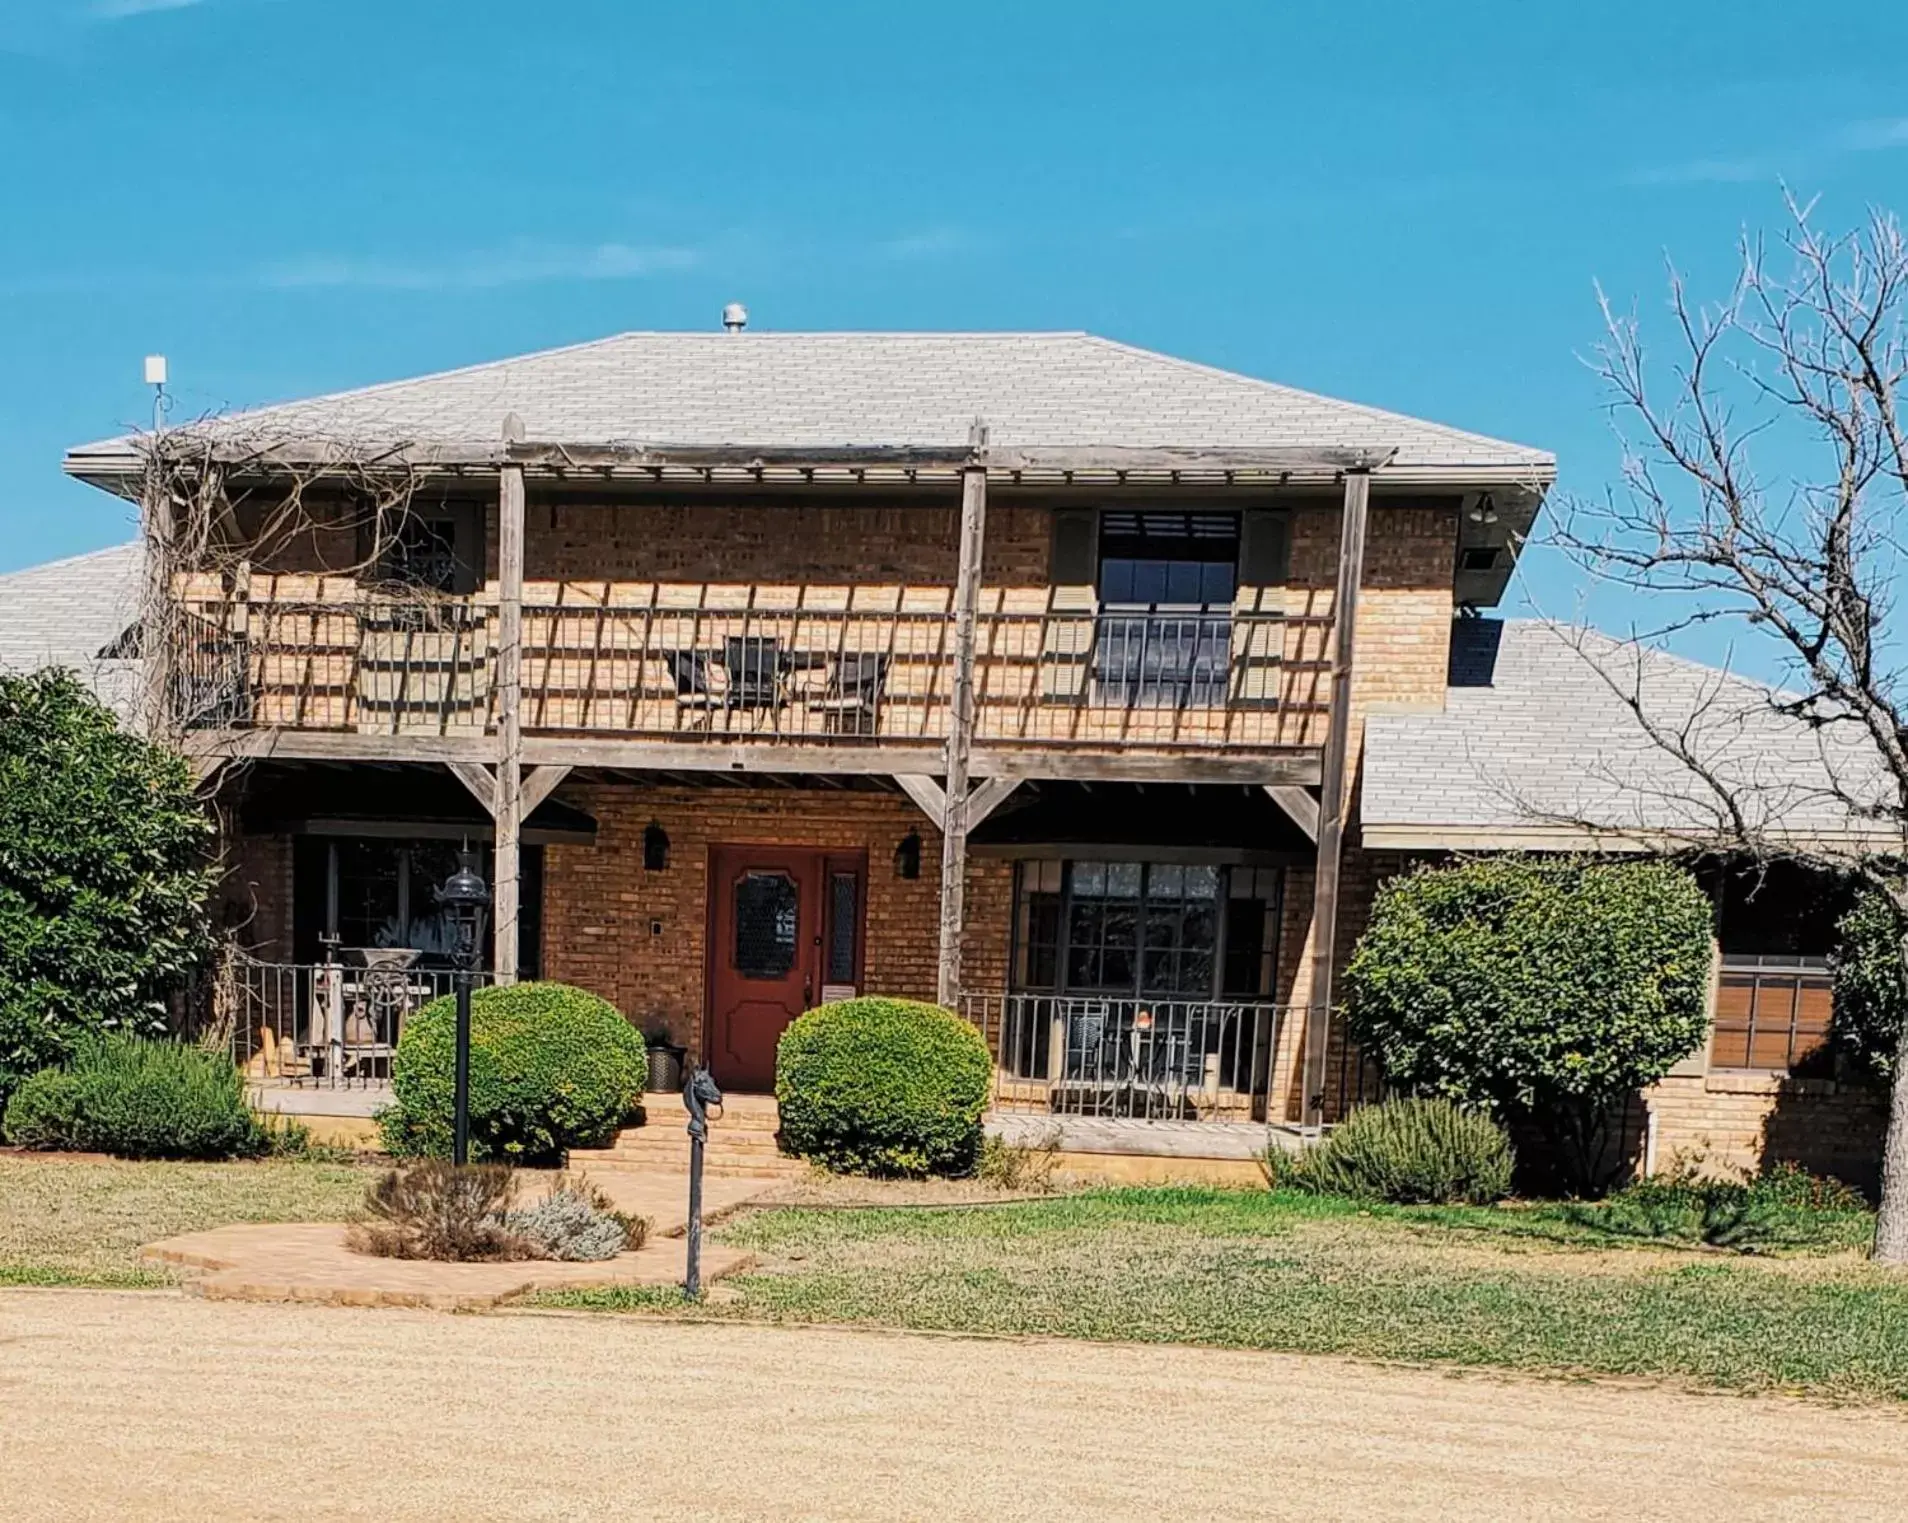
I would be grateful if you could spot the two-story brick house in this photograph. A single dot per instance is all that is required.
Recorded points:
(1011, 670)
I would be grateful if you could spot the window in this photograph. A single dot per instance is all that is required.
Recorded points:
(1776, 926)
(1166, 586)
(377, 891)
(767, 906)
(1147, 929)
(844, 926)
(438, 549)
(1772, 1013)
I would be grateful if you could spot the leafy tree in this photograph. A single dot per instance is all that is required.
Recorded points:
(1871, 992)
(1548, 990)
(103, 878)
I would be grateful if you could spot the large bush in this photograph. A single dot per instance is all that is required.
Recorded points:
(1408, 1152)
(551, 1068)
(103, 882)
(1870, 991)
(1549, 991)
(883, 1086)
(138, 1099)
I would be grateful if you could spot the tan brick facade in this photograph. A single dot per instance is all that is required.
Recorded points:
(1727, 1121)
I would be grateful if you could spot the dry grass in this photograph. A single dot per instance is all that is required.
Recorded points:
(82, 1221)
(1539, 1288)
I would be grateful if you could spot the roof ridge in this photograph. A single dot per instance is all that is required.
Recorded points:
(1219, 371)
(69, 560)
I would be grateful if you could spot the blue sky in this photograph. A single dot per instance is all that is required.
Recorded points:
(1404, 204)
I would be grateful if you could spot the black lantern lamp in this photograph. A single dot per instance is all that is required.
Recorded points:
(655, 848)
(466, 900)
(907, 856)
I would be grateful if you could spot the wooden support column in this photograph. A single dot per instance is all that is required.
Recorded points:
(1331, 794)
(507, 800)
(960, 729)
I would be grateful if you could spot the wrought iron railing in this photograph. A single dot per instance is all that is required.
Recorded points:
(1148, 1059)
(326, 1025)
(761, 663)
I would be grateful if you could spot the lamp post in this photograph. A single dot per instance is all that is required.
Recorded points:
(465, 898)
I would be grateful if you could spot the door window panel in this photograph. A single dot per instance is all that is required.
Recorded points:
(767, 914)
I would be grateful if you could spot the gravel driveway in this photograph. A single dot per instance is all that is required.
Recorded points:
(155, 1405)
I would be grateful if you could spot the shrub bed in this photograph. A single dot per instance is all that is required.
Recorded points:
(883, 1086)
(551, 1068)
(138, 1099)
(1407, 1152)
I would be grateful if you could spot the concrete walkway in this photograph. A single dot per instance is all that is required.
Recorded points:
(156, 1406)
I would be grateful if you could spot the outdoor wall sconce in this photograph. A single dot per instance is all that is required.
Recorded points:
(907, 856)
(655, 848)
(1483, 511)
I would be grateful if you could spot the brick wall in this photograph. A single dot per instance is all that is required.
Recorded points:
(1725, 1121)
(254, 896)
(599, 902)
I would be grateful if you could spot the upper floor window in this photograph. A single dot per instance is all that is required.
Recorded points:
(434, 549)
(1175, 560)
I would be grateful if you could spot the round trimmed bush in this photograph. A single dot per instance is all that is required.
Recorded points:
(883, 1086)
(138, 1099)
(1408, 1152)
(551, 1068)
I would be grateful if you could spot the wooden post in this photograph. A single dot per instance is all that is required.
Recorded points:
(507, 808)
(158, 625)
(1331, 795)
(960, 728)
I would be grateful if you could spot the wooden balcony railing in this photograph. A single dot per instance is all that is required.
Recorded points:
(694, 667)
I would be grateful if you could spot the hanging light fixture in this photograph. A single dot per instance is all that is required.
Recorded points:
(655, 848)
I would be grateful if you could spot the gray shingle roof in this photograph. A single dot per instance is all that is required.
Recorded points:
(822, 390)
(1549, 742)
(66, 612)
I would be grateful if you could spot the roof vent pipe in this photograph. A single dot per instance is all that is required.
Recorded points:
(735, 317)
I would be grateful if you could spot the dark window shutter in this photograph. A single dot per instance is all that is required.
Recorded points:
(1076, 543)
(468, 543)
(1265, 547)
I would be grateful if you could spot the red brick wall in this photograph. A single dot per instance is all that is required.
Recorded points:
(599, 901)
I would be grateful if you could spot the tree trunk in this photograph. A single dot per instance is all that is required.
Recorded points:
(1891, 1226)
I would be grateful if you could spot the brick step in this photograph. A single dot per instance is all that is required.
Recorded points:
(752, 1122)
(714, 1166)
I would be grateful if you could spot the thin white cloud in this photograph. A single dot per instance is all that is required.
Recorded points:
(1878, 136)
(114, 10)
(517, 264)
(928, 243)
(1707, 172)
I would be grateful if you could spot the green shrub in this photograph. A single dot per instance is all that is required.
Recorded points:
(551, 1068)
(1407, 1152)
(138, 1099)
(103, 882)
(1871, 992)
(883, 1086)
(1549, 991)
(1784, 1207)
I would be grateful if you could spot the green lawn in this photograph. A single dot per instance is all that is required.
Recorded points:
(82, 1221)
(1553, 1288)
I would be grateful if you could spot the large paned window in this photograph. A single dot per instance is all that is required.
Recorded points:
(356, 892)
(1145, 929)
(1166, 583)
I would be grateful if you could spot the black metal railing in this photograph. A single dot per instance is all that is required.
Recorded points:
(1149, 1059)
(327, 1025)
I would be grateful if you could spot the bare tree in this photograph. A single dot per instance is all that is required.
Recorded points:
(1766, 483)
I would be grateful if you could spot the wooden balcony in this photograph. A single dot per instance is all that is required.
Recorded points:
(760, 667)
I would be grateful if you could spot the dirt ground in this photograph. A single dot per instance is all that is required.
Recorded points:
(129, 1405)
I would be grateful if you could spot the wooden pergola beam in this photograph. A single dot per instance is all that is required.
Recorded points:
(960, 728)
(1299, 805)
(507, 810)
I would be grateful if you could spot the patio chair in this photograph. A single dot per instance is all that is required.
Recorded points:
(754, 665)
(692, 671)
(852, 701)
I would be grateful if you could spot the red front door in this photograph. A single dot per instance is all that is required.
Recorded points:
(767, 963)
